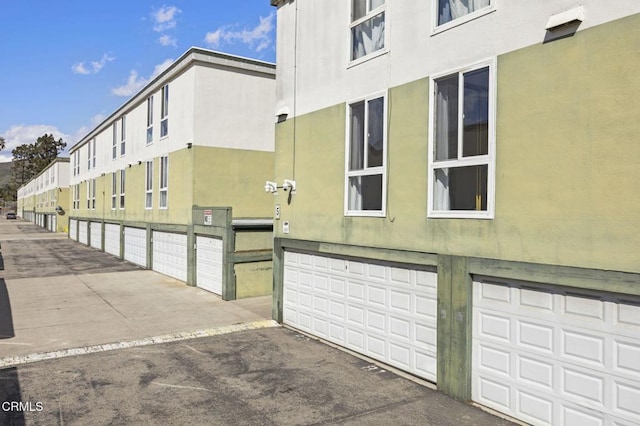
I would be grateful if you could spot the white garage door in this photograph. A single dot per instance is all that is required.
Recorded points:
(170, 254)
(82, 232)
(73, 230)
(135, 245)
(386, 313)
(209, 264)
(54, 223)
(96, 234)
(112, 239)
(561, 358)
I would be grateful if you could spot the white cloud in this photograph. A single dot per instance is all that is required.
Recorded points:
(21, 134)
(165, 18)
(258, 38)
(135, 82)
(96, 66)
(166, 40)
(82, 131)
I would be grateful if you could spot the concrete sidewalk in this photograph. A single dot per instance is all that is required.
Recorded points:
(86, 297)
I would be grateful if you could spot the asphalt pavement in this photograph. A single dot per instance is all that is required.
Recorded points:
(88, 339)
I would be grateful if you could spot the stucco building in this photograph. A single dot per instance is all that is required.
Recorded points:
(466, 204)
(172, 180)
(44, 200)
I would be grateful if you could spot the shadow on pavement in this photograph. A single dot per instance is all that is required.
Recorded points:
(6, 318)
(11, 412)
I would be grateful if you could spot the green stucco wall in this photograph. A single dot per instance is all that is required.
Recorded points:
(566, 163)
(234, 178)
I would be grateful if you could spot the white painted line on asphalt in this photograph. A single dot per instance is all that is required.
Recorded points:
(166, 338)
(179, 387)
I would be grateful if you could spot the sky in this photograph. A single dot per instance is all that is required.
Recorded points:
(65, 65)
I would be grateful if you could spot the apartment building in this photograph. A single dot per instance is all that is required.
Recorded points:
(455, 191)
(172, 180)
(44, 200)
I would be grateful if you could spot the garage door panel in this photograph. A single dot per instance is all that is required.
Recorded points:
(73, 229)
(209, 264)
(82, 231)
(565, 350)
(112, 239)
(170, 254)
(135, 245)
(96, 235)
(369, 308)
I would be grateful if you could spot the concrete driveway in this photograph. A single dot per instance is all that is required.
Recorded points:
(57, 294)
(88, 339)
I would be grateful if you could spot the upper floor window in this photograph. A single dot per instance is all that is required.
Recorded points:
(149, 119)
(93, 157)
(164, 112)
(89, 156)
(114, 145)
(123, 133)
(462, 144)
(367, 27)
(450, 10)
(366, 158)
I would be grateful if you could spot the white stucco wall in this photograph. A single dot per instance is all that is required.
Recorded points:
(323, 75)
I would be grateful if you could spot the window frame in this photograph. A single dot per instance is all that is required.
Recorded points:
(461, 20)
(114, 145)
(163, 183)
(369, 15)
(123, 139)
(488, 159)
(366, 171)
(93, 158)
(89, 155)
(114, 190)
(148, 191)
(149, 120)
(164, 112)
(122, 188)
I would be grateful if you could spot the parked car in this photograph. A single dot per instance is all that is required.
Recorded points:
(11, 215)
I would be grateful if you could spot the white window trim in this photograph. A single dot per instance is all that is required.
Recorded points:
(164, 189)
(122, 187)
(164, 106)
(437, 29)
(114, 190)
(148, 185)
(489, 159)
(380, 9)
(114, 144)
(123, 138)
(369, 171)
(93, 158)
(149, 121)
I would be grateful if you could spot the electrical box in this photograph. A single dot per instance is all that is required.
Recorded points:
(277, 212)
(285, 227)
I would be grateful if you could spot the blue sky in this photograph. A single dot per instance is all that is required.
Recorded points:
(65, 65)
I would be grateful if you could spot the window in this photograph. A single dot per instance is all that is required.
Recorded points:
(462, 144)
(114, 189)
(114, 146)
(148, 203)
(450, 10)
(366, 158)
(122, 189)
(77, 196)
(164, 112)
(89, 156)
(91, 194)
(123, 127)
(93, 158)
(149, 120)
(164, 181)
(367, 27)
